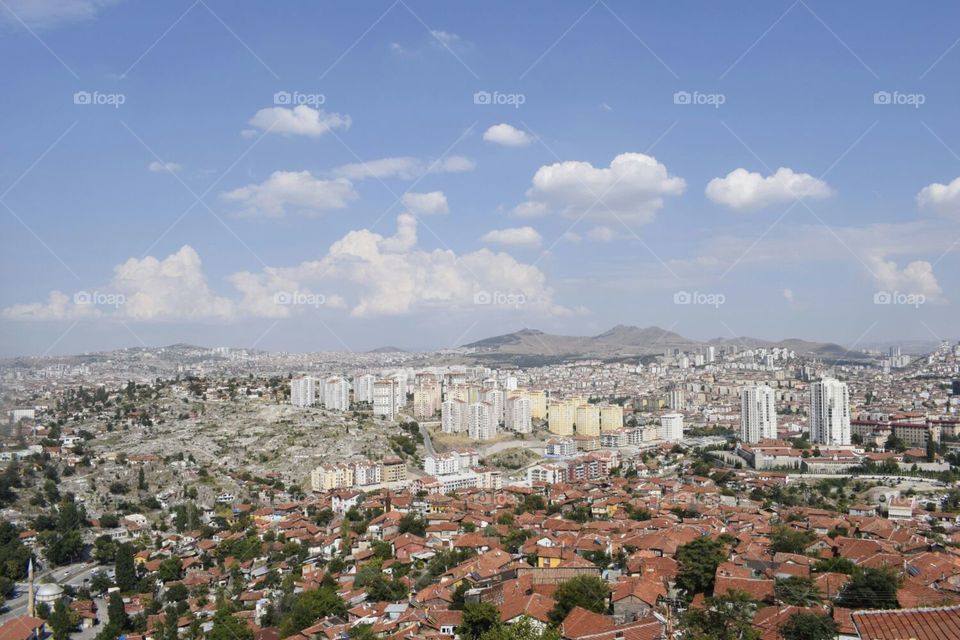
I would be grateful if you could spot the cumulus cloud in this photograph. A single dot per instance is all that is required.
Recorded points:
(390, 276)
(426, 204)
(291, 190)
(507, 136)
(174, 288)
(943, 199)
(916, 278)
(743, 190)
(788, 296)
(517, 236)
(403, 167)
(163, 167)
(365, 272)
(301, 120)
(631, 189)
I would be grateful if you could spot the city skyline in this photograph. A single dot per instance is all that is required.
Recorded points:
(341, 178)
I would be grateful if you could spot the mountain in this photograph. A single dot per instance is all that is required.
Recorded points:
(625, 341)
(387, 349)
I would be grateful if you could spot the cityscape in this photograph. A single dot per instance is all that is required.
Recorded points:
(552, 320)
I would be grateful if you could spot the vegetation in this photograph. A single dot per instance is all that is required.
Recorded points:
(589, 592)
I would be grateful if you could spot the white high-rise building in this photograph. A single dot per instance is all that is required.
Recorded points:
(480, 424)
(711, 354)
(336, 394)
(363, 388)
(758, 414)
(494, 397)
(676, 399)
(830, 412)
(386, 398)
(303, 391)
(453, 416)
(518, 414)
(671, 427)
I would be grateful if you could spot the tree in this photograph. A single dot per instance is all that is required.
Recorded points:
(126, 570)
(787, 540)
(727, 617)
(413, 524)
(478, 619)
(836, 565)
(117, 613)
(310, 606)
(871, 589)
(699, 560)
(63, 621)
(227, 627)
(104, 549)
(522, 629)
(589, 592)
(809, 626)
(800, 591)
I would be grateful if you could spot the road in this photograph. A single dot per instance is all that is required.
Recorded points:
(73, 575)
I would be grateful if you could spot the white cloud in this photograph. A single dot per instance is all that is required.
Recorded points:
(943, 199)
(445, 38)
(369, 274)
(50, 13)
(298, 121)
(163, 167)
(426, 204)
(174, 288)
(571, 236)
(916, 278)
(390, 276)
(403, 167)
(516, 236)
(744, 190)
(789, 297)
(601, 234)
(507, 136)
(294, 190)
(531, 209)
(59, 306)
(631, 189)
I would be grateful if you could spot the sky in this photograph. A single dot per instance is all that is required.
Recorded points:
(332, 176)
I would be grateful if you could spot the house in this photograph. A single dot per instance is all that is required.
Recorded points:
(918, 624)
(23, 628)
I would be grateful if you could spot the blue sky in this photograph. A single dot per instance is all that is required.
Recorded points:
(390, 207)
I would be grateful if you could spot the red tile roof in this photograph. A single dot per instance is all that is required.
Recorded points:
(909, 624)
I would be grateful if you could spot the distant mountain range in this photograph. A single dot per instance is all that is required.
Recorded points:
(626, 341)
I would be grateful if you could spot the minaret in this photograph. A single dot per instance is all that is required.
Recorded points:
(31, 608)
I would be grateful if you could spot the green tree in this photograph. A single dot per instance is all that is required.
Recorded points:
(126, 570)
(310, 606)
(227, 627)
(63, 621)
(809, 626)
(699, 560)
(117, 613)
(413, 524)
(478, 619)
(788, 540)
(871, 589)
(727, 617)
(522, 629)
(800, 591)
(589, 592)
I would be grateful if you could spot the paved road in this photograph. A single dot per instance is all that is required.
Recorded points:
(73, 575)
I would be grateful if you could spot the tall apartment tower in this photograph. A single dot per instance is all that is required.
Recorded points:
(480, 423)
(671, 427)
(303, 391)
(363, 388)
(336, 394)
(830, 412)
(518, 414)
(758, 414)
(386, 398)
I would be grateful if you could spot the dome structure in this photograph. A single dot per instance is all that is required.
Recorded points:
(49, 593)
